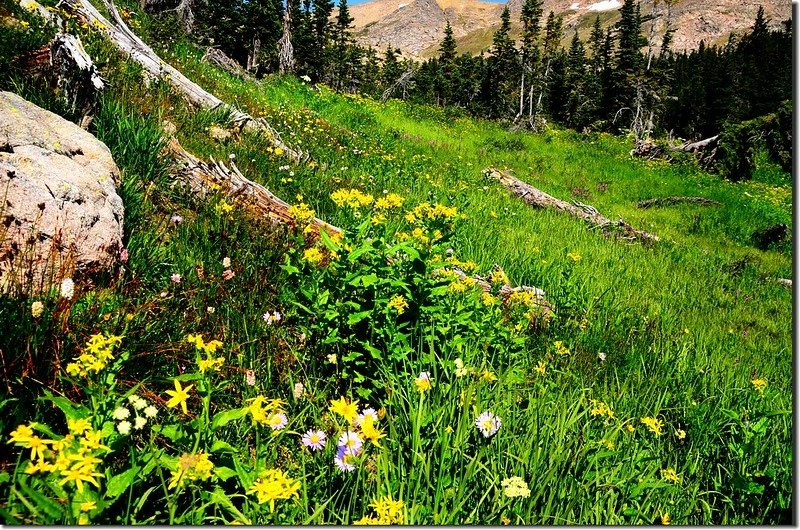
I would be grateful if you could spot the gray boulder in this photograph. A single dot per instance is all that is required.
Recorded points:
(59, 209)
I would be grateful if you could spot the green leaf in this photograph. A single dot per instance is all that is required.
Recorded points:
(327, 241)
(220, 446)
(219, 497)
(172, 432)
(355, 318)
(48, 506)
(70, 409)
(227, 416)
(243, 474)
(119, 483)
(224, 473)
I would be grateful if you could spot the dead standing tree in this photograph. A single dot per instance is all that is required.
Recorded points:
(128, 43)
(285, 49)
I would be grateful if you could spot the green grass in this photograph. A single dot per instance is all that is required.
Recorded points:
(685, 324)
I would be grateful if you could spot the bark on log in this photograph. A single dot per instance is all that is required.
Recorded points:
(203, 178)
(127, 42)
(76, 74)
(218, 58)
(539, 199)
(540, 299)
(668, 201)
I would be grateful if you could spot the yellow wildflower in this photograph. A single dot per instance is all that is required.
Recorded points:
(313, 256)
(179, 396)
(574, 256)
(541, 367)
(191, 467)
(515, 487)
(398, 303)
(666, 519)
(488, 376)
(670, 475)
(79, 473)
(560, 348)
(301, 212)
(370, 432)
(88, 506)
(423, 382)
(759, 385)
(655, 425)
(389, 511)
(275, 485)
(349, 411)
(600, 409)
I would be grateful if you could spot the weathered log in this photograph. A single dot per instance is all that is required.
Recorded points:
(785, 282)
(668, 201)
(505, 292)
(218, 58)
(539, 199)
(76, 74)
(127, 42)
(203, 178)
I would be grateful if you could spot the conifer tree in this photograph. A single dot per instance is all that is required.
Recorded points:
(552, 38)
(342, 58)
(503, 66)
(530, 54)
(447, 67)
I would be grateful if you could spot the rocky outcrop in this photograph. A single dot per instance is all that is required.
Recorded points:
(59, 207)
(417, 27)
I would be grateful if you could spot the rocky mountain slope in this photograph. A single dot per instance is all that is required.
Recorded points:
(416, 26)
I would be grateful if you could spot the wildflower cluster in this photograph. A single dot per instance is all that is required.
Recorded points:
(759, 384)
(598, 408)
(355, 199)
(274, 485)
(653, 424)
(191, 467)
(142, 411)
(72, 459)
(96, 355)
(361, 427)
(209, 348)
(387, 511)
(268, 412)
(515, 487)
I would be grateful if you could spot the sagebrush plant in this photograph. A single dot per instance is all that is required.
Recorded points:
(377, 385)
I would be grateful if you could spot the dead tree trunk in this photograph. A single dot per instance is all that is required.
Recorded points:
(76, 74)
(539, 199)
(218, 58)
(202, 178)
(285, 49)
(668, 201)
(127, 42)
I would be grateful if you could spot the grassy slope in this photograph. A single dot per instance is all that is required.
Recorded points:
(686, 324)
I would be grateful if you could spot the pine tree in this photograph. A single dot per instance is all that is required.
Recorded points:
(342, 58)
(318, 57)
(503, 68)
(578, 110)
(530, 54)
(552, 38)
(390, 71)
(447, 67)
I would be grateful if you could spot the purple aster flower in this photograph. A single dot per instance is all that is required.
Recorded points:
(314, 440)
(488, 424)
(342, 460)
(350, 442)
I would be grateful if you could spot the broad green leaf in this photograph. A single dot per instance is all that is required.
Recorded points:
(119, 483)
(355, 318)
(220, 446)
(227, 416)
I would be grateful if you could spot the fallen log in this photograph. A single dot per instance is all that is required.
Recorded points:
(505, 292)
(76, 74)
(204, 178)
(539, 199)
(218, 58)
(668, 201)
(785, 282)
(128, 43)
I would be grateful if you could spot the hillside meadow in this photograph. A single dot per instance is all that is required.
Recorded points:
(235, 371)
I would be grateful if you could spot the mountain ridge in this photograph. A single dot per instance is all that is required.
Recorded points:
(416, 27)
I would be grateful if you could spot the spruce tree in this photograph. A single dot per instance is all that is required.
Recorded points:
(447, 67)
(503, 68)
(530, 53)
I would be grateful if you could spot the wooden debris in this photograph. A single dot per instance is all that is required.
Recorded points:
(76, 74)
(668, 201)
(785, 282)
(539, 297)
(127, 42)
(203, 178)
(539, 199)
(218, 58)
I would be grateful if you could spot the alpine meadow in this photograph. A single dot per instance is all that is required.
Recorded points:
(266, 262)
